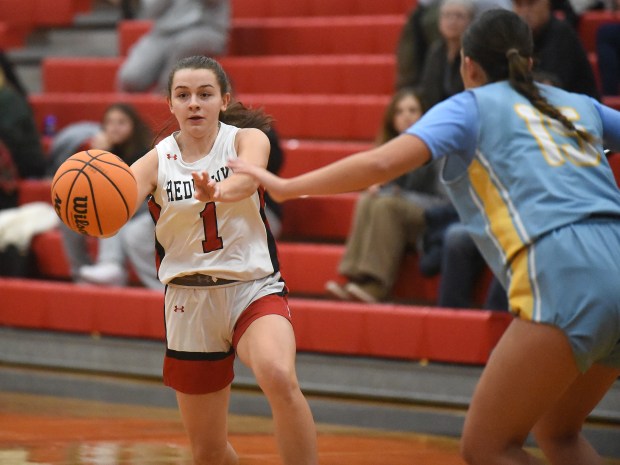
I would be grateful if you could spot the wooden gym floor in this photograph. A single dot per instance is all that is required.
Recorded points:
(50, 430)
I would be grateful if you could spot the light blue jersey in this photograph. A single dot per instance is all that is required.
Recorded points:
(512, 173)
(543, 207)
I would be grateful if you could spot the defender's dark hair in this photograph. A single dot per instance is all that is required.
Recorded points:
(236, 114)
(501, 43)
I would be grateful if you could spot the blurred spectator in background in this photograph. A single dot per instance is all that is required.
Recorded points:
(127, 7)
(441, 77)
(462, 267)
(123, 133)
(21, 152)
(389, 219)
(558, 51)
(181, 28)
(608, 53)
(443, 249)
(10, 76)
(419, 32)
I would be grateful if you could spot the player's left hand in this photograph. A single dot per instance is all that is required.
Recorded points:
(205, 188)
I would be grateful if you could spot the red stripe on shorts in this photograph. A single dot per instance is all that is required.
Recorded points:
(198, 376)
(272, 304)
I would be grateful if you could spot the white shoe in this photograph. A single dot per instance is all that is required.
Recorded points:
(336, 290)
(359, 293)
(105, 274)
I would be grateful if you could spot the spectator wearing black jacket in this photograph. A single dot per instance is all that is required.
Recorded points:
(558, 52)
(23, 153)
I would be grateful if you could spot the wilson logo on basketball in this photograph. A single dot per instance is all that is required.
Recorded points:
(57, 203)
(80, 213)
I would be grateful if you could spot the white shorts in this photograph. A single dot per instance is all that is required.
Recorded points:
(204, 324)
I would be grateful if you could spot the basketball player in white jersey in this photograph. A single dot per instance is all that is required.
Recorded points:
(224, 292)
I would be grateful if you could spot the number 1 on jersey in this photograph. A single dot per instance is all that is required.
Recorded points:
(209, 222)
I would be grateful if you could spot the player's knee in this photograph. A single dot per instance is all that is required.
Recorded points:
(277, 381)
(550, 437)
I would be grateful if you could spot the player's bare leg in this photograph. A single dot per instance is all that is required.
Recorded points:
(268, 348)
(205, 420)
(558, 432)
(529, 371)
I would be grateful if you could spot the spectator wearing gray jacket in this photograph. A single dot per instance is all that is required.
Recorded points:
(181, 28)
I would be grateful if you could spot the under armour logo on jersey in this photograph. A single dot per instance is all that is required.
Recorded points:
(179, 309)
(173, 157)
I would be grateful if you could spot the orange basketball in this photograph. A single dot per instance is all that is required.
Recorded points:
(94, 192)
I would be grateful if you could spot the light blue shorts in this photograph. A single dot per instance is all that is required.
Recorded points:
(570, 278)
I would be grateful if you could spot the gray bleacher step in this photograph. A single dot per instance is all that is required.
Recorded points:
(103, 15)
(92, 34)
(353, 377)
(67, 42)
(376, 379)
(60, 43)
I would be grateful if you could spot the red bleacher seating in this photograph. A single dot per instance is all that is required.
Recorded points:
(311, 74)
(297, 36)
(23, 16)
(326, 218)
(590, 21)
(4, 36)
(296, 259)
(305, 155)
(279, 8)
(409, 333)
(296, 116)
(34, 190)
(18, 16)
(61, 13)
(612, 101)
(614, 162)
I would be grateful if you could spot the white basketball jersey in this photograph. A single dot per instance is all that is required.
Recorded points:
(228, 240)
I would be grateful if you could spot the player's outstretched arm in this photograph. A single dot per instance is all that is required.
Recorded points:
(252, 147)
(145, 171)
(353, 173)
(274, 184)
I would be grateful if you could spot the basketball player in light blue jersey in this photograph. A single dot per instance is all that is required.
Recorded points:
(526, 171)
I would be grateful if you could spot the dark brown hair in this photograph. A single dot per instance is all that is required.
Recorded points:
(501, 43)
(140, 139)
(236, 113)
(388, 131)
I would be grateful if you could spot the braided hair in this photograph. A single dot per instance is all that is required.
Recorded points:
(502, 44)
